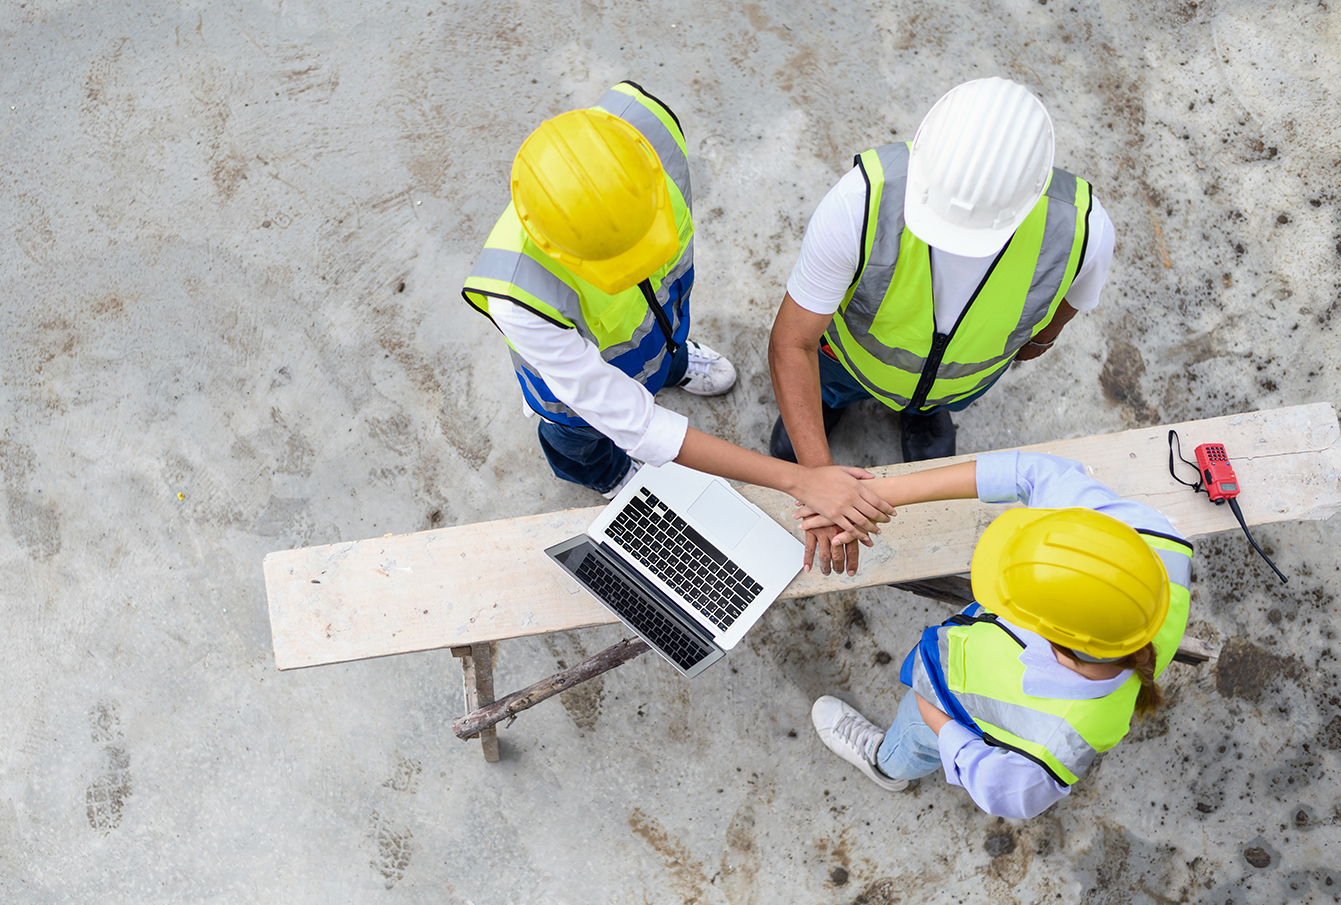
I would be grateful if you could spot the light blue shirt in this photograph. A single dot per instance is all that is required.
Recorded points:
(1002, 782)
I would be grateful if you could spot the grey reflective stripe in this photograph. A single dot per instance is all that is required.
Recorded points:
(921, 681)
(530, 276)
(1051, 732)
(1059, 231)
(1177, 564)
(836, 343)
(987, 377)
(524, 371)
(1062, 186)
(632, 111)
(879, 266)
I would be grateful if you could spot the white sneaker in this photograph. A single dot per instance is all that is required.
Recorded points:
(853, 738)
(708, 374)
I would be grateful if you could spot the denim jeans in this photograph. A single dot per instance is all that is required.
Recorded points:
(839, 389)
(586, 456)
(910, 749)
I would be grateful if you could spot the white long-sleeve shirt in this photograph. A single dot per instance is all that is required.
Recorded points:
(609, 400)
(1000, 781)
(831, 252)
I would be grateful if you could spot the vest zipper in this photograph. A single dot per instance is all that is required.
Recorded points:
(941, 341)
(662, 321)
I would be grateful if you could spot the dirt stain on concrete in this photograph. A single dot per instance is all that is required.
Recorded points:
(1121, 869)
(885, 891)
(687, 875)
(105, 795)
(1120, 379)
(741, 858)
(405, 774)
(1245, 670)
(582, 703)
(34, 520)
(394, 848)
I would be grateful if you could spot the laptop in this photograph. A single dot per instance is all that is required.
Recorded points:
(684, 561)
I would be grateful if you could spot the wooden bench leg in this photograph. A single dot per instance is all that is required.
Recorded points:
(477, 668)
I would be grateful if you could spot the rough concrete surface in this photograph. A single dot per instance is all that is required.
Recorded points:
(232, 236)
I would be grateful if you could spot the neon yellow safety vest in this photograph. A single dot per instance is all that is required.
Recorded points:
(622, 325)
(970, 667)
(884, 332)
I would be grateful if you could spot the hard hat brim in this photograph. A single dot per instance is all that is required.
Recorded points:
(951, 237)
(986, 564)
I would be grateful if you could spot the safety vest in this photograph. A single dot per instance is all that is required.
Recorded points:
(621, 325)
(970, 667)
(885, 333)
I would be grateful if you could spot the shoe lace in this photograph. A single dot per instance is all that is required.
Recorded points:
(860, 733)
(699, 365)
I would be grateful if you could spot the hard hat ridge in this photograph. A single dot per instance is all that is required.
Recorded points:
(980, 160)
(591, 193)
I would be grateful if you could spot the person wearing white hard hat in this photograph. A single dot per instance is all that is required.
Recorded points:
(926, 271)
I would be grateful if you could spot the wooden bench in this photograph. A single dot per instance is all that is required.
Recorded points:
(470, 586)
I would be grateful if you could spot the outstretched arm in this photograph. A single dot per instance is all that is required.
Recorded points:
(842, 495)
(948, 482)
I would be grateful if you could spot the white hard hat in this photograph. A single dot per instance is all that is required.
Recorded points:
(980, 161)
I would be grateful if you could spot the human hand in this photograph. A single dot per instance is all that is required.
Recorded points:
(841, 494)
(932, 715)
(838, 557)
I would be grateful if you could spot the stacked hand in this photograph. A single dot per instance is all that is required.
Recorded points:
(840, 511)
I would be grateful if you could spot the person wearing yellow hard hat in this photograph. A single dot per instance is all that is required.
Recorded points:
(587, 275)
(1081, 601)
(929, 268)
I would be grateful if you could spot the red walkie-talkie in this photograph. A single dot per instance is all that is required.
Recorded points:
(1221, 485)
(1216, 472)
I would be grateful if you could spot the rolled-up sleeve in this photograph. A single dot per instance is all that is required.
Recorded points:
(609, 400)
(1051, 482)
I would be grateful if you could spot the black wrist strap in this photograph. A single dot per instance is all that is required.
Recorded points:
(1174, 441)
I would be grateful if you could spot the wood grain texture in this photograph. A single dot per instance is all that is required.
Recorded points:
(487, 582)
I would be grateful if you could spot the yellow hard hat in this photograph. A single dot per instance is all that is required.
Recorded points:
(591, 193)
(1079, 578)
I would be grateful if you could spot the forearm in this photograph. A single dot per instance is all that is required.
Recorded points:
(794, 367)
(1001, 782)
(948, 482)
(704, 452)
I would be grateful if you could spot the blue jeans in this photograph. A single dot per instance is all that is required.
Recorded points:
(586, 456)
(910, 749)
(839, 389)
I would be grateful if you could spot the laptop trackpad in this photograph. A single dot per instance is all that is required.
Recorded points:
(723, 513)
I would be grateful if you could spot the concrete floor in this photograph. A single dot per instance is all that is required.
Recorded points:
(232, 236)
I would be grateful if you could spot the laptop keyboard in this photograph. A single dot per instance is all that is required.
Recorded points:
(658, 628)
(683, 559)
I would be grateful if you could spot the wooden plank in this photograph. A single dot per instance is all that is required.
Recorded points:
(474, 583)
